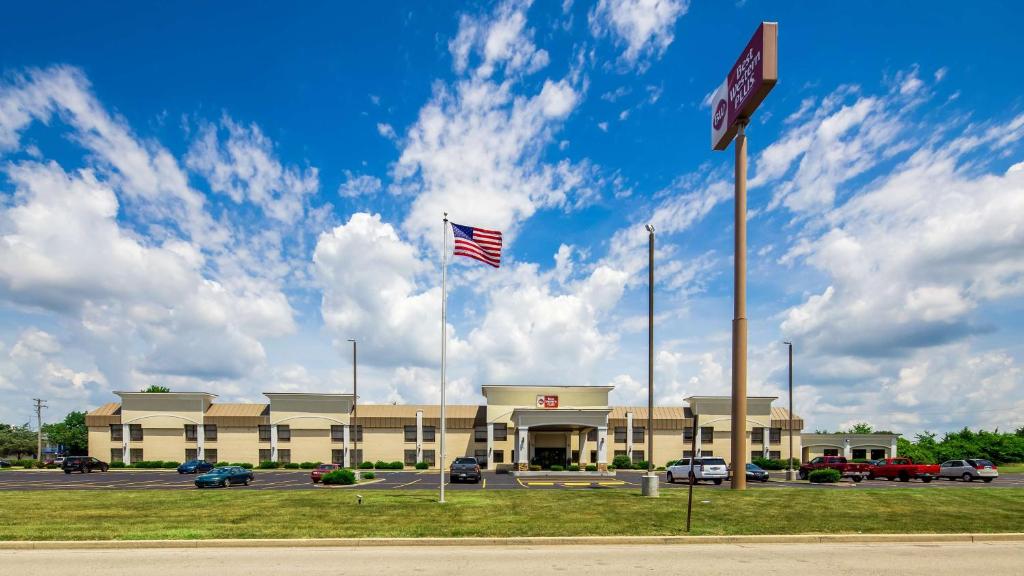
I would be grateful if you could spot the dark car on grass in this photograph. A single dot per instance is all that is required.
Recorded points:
(83, 464)
(195, 467)
(465, 468)
(225, 476)
(317, 473)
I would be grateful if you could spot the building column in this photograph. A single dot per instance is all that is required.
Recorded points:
(568, 449)
(846, 448)
(126, 450)
(584, 453)
(766, 436)
(696, 433)
(346, 452)
(892, 448)
(490, 445)
(522, 448)
(273, 442)
(200, 439)
(602, 448)
(419, 436)
(629, 435)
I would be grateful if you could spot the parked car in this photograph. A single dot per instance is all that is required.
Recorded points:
(4, 463)
(56, 462)
(317, 473)
(83, 464)
(855, 471)
(968, 470)
(225, 476)
(465, 468)
(195, 467)
(756, 474)
(707, 468)
(903, 469)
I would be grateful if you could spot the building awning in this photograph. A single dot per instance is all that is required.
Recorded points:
(665, 417)
(457, 416)
(228, 414)
(567, 418)
(105, 415)
(780, 419)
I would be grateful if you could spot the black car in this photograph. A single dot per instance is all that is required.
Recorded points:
(465, 468)
(83, 464)
(756, 473)
(4, 463)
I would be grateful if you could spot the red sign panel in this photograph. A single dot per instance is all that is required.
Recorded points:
(547, 401)
(752, 76)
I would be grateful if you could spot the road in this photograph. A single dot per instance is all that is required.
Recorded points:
(989, 558)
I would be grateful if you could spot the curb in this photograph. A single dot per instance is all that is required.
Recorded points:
(511, 542)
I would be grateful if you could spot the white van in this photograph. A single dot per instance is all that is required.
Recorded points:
(706, 468)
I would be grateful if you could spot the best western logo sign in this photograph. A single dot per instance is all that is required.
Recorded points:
(752, 76)
(547, 401)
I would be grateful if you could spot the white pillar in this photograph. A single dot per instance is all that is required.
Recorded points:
(126, 451)
(346, 452)
(522, 445)
(696, 432)
(766, 437)
(200, 439)
(490, 445)
(602, 444)
(273, 443)
(532, 447)
(419, 435)
(584, 454)
(629, 435)
(846, 448)
(568, 448)
(892, 447)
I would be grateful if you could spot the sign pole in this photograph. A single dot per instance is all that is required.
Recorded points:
(739, 322)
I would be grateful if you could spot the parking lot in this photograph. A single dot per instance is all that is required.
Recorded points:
(426, 480)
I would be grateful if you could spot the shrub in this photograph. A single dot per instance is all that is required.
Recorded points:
(422, 466)
(824, 476)
(380, 465)
(267, 465)
(342, 477)
(641, 465)
(660, 468)
(397, 465)
(170, 464)
(366, 465)
(622, 461)
(221, 464)
(117, 464)
(591, 468)
(573, 468)
(309, 465)
(534, 468)
(775, 464)
(25, 463)
(368, 475)
(557, 468)
(292, 465)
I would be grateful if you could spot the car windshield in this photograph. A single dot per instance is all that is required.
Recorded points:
(327, 466)
(753, 467)
(465, 461)
(222, 470)
(713, 462)
(191, 463)
(982, 463)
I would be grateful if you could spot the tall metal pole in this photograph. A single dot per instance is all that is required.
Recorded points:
(789, 464)
(650, 350)
(739, 322)
(40, 404)
(692, 475)
(444, 337)
(355, 403)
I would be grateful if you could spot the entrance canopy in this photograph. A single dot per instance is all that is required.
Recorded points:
(560, 418)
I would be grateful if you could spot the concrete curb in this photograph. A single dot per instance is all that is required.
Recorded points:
(526, 541)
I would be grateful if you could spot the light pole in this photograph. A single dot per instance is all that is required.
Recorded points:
(789, 464)
(355, 406)
(650, 480)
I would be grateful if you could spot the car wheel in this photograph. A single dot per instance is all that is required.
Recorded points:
(987, 480)
(670, 479)
(890, 478)
(765, 479)
(66, 471)
(802, 475)
(968, 477)
(926, 480)
(718, 481)
(245, 482)
(904, 478)
(857, 479)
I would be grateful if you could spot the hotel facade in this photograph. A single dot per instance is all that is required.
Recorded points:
(518, 426)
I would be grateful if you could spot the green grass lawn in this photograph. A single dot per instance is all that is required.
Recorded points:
(1011, 468)
(153, 514)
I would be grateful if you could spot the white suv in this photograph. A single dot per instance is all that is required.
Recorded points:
(706, 468)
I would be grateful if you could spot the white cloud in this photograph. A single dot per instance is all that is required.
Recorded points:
(645, 27)
(386, 130)
(359, 186)
(500, 40)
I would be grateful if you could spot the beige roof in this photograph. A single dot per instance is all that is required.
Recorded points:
(228, 409)
(409, 410)
(108, 409)
(660, 412)
(780, 419)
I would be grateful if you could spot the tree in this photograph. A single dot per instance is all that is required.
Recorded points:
(72, 433)
(157, 389)
(19, 440)
(861, 428)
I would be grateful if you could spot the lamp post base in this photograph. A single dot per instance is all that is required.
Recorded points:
(649, 485)
(790, 474)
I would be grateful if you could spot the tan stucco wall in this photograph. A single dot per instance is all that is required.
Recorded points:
(99, 443)
(235, 444)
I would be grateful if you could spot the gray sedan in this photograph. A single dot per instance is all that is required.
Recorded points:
(968, 470)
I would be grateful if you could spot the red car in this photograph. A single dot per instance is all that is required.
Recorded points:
(852, 470)
(322, 469)
(904, 469)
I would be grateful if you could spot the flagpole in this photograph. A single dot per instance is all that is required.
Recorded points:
(444, 337)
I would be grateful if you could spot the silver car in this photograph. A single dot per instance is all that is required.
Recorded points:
(968, 470)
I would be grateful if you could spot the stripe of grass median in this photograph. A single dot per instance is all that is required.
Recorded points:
(153, 514)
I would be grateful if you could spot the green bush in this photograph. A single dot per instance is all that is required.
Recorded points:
(774, 464)
(309, 465)
(573, 468)
(342, 477)
(397, 465)
(622, 461)
(171, 464)
(368, 475)
(117, 464)
(557, 468)
(246, 465)
(25, 463)
(292, 465)
(380, 465)
(591, 468)
(267, 465)
(824, 476)
(641, 465)
(534, 468)
(422, 466)
(222, 464)
(366, 465)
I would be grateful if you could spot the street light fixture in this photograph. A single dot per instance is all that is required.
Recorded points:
(789, 464)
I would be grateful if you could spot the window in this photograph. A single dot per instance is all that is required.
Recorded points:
(757, 435)
(620, 434)
(755, 454)
(337, 456)
(688, 434)
(191, 454)
(481, 457)
(136, 454)
(337, 433)
(135, 433)
(428, 457)
(284, 433)
(116, 455)
(410, 457)
(575, 456)
(687, 453)
(428, 433)
(501, 431)
(707, 435)
(264, 455)
(638, 434)
(210, 455)
(284, 456)
(190, 432)
(619, 453)
(410, 433)
(593, 456)
(264, 432)
(707, 453)
(877, 453)
(775, 454)
(116, 433)
(210, 432)
(859, 454)
(480, 434)
(499, 456)
(592, 435)
(774, 435)
(638, 456)
(357, 433)
(831, 452)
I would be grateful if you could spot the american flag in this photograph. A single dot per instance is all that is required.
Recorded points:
(477, 243)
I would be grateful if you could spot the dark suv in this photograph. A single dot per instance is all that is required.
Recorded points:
(83, 464)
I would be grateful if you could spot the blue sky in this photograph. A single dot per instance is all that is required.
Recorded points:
(214, 198)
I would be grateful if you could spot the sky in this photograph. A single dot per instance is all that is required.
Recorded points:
(216, 199)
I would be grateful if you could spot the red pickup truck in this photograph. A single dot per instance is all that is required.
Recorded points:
(852, 470)
(904, 469)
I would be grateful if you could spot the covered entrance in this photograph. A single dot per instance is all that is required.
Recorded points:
(565, 436)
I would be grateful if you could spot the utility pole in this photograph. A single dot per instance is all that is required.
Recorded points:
(355, 407)
(649, 486)
(40, 404)
(789, 465)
